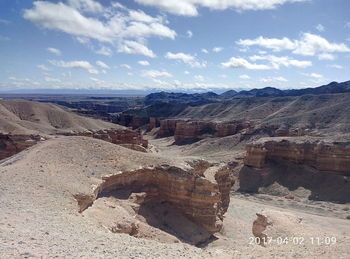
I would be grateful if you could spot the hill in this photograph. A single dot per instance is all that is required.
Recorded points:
(26, 117)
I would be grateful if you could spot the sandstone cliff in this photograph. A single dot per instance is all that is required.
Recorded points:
(201, 197)
(168, 127)
(185, 131)
(323, 156)
(319, 165)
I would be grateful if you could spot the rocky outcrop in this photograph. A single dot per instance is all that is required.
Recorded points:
(202, 198)
(323, 156)
(321, 166)
(13, 144)
(185, 131)
(168, 127)
(132, 121)
(115, 136)
(196, 130)
(153, 123)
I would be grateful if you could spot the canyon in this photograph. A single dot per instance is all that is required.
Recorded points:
(191, 173)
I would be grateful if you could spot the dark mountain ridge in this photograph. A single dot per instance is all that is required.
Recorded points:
(210, 97)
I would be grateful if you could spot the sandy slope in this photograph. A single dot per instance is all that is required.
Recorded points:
(329, 112)
(39, 216)
(26, 117)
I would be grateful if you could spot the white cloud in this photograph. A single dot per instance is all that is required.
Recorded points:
(311, 44)
(155, 74)
(141, 16)
(86, 5)
(96, 80)
(83, 40)
(336, 66)
(218, 49)
(244, 76)
(13, 78)
(133, 47)
(277, 62)
(205, 51)
(199, 78)
(54, 51)
(52, 80)
(273, 79)
(190, 7)
(163, 84)
(186, 72)
(320, 28)
(243, 63)
(316, 78)
(270, 43)
(308, 45)
(102, 64)
(143, 63)
(125, 66)
(189, 34)
(326, 56)
(347, 25)
(105, 51)
(314, 75)
(88, 19)
(186, 58)
(75, 64)
(43, 67)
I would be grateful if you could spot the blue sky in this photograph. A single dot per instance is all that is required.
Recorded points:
(173, 45)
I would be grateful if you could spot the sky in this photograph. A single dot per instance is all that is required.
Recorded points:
(173, 45)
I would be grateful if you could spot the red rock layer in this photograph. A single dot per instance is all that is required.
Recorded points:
(168, 127)
(200, 199)
(153, 123)
(191, 130)
(334, 157)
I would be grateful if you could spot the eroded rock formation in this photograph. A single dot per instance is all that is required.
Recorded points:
(321, 166)
(12, 144)
(153, 123)
(192, 130)
(168, 127)
(202, 197)
(115, 136)
(334, 157)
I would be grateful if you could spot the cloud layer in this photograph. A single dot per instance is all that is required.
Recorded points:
(190, 7)
(87, 19)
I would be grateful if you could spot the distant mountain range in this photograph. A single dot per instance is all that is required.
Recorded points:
(209, 97)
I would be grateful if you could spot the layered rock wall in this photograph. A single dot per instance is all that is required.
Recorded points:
(334, 157)
(153, 123)
(202, 199)
(192, 130)
(116, 136)
(319, 166)
(168, 127)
